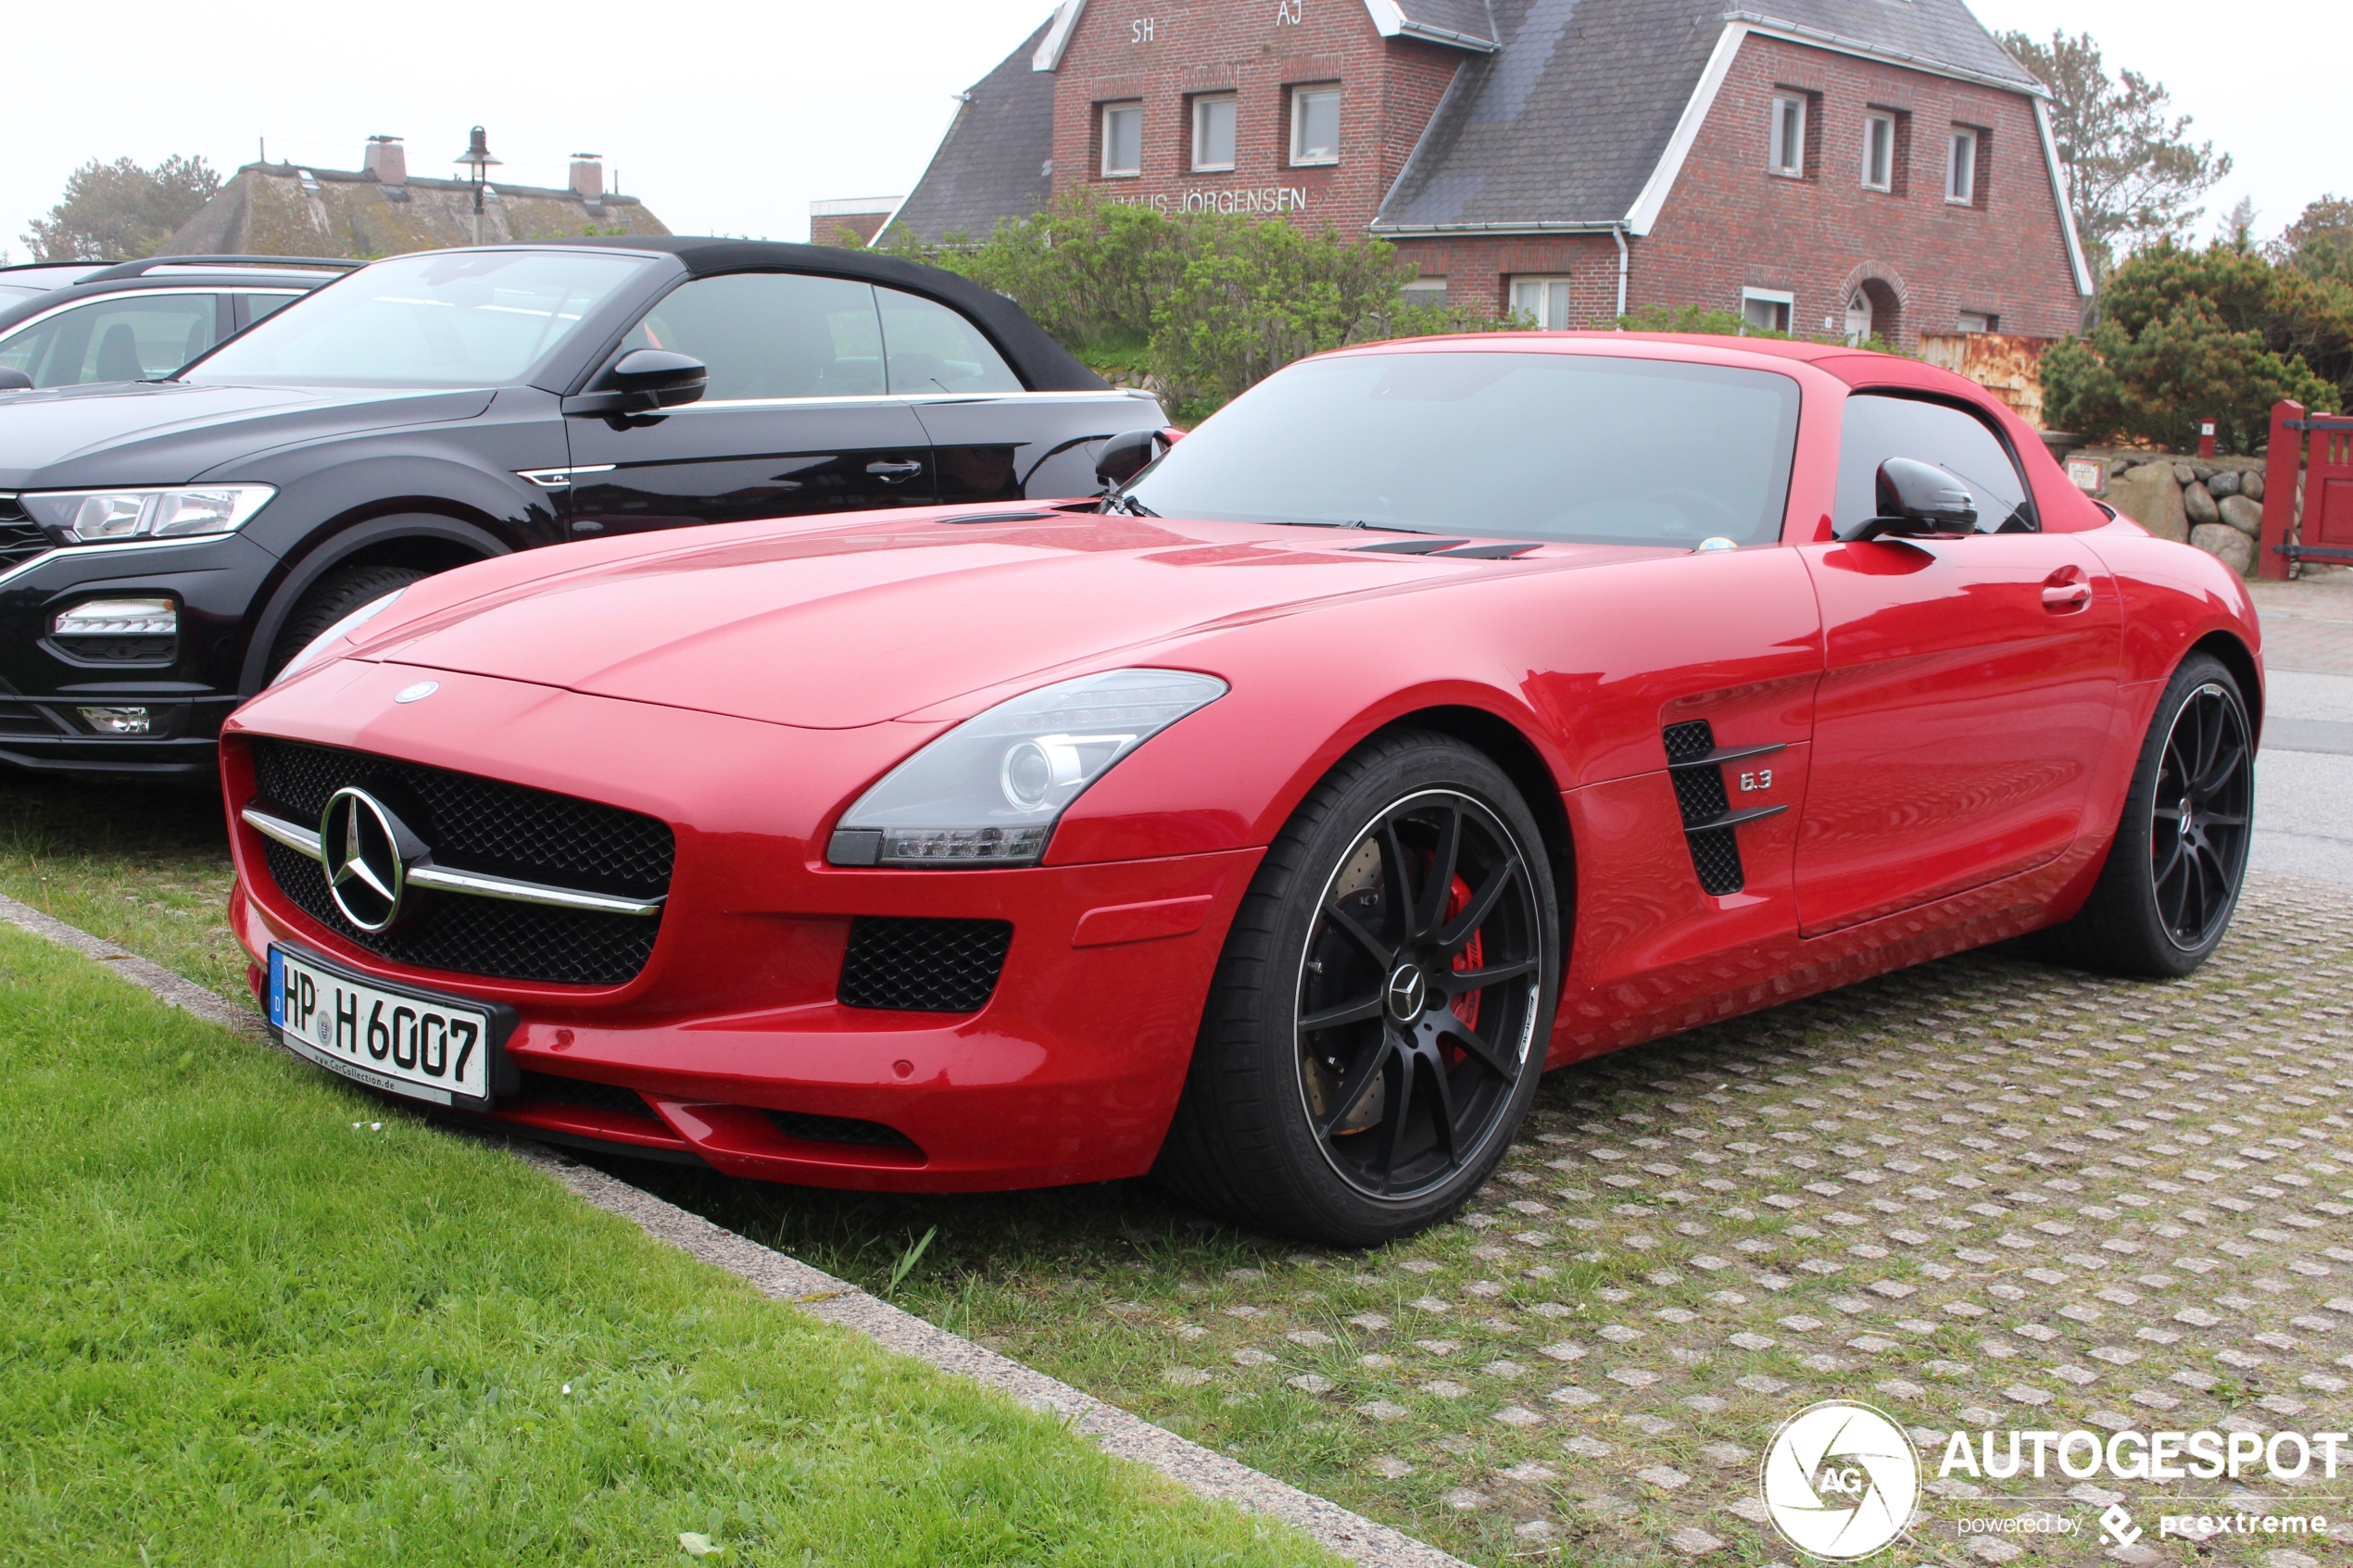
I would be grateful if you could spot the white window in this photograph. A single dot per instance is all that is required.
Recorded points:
(1961, 167)
(1976, 322)
(1123, 140)
(1425, 291)
(1314, 125)
(1214, 134)
(1767, 310)
(1786, 155)
(1544, 301)
(1879, 152)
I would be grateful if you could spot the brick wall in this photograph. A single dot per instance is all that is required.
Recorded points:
(1165, 53)
(1730, 224)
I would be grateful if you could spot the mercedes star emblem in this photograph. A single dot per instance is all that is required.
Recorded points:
(367, 851)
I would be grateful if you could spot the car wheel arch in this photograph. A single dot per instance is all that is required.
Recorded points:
(2240, 661)
(434, 541)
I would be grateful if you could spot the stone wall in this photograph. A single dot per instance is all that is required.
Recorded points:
(2213, 503)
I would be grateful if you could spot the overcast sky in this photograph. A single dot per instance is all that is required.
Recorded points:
(730, 118)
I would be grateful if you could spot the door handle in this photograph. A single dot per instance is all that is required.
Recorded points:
(2066, 597)
(891, 474)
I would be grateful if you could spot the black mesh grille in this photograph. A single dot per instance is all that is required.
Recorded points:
(839, 1129)
(1687, 741)
(481, 824)
(1716, 855)
(581, 1092)
(1699, 794)
(922, 965)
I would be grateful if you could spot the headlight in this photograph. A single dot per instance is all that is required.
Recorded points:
(91, 516)
(317, 646)
(989, 792)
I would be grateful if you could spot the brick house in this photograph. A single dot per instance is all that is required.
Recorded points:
(1835, 166)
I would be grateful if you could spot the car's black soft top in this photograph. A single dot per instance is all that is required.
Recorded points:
(1042, 362)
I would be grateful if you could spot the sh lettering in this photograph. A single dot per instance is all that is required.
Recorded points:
(1140, 30)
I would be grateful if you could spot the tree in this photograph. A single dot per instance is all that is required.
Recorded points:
(2320, 244)
(2219, 333)
(2134, 177)
(119, 212)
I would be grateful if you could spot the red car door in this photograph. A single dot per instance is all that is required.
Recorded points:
(1968, 687)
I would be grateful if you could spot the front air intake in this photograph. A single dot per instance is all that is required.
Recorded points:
(908, 965)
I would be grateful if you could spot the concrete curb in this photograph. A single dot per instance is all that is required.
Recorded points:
(1115, 1431)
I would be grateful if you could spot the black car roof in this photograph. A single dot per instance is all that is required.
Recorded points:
(1044, 364)
(172, 272)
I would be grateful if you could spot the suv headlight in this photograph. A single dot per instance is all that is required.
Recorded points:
(989, 792)
(92, 517)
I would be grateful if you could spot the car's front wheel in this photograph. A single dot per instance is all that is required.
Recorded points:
(2171, 880)
(1380, 1012)
(329, 600)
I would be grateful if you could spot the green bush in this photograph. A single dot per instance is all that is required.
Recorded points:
(2191, 334)
(1210, 304)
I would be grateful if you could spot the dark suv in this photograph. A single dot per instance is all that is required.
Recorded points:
(166, 546)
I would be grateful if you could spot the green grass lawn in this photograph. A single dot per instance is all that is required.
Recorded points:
(237, 1329)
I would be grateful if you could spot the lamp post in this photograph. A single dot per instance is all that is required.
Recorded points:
(477, 157)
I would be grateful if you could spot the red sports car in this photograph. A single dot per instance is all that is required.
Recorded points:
(1437, 713)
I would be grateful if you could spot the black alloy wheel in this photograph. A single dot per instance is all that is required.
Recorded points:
(2201, 815)
(1382, 1007)
(1417, 989)
(2173, 872)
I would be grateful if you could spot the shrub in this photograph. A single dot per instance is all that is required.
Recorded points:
(2191, 334)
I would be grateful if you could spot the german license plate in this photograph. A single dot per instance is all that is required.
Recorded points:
(410, 1042)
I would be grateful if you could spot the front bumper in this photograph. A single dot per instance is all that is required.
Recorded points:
(188, 686)
(733, 1042)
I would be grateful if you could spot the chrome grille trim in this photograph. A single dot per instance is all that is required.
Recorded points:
(305, 841)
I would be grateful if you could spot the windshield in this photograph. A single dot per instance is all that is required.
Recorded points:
(1498, 445)
(448, 318)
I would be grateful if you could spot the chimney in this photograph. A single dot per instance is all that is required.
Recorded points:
(588, 177)
(386, 160)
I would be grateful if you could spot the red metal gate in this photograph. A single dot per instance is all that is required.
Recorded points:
(2326, 531)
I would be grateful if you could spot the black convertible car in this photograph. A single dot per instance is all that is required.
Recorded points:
(166, 545)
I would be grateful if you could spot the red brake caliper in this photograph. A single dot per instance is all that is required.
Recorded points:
(1458, 898)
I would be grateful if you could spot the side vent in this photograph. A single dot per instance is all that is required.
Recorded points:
(1695, 764)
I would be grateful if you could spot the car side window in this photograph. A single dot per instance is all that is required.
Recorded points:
(771, 334)
(1877, 427)
(121, 339)
(260, 304)
(933, 348)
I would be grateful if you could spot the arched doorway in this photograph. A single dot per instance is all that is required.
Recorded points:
(1872, 309)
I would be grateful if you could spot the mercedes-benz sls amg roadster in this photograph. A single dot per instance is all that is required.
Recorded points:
(1436, 713)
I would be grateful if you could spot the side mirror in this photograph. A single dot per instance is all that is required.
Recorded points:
(1125, 457)
(15, 381)
(649, 378)
(1918, 500)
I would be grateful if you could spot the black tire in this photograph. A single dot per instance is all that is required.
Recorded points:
(329, 600)
(1307, 1110)
(2172, 876)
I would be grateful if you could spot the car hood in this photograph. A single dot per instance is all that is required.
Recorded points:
(835, 627)
(173, 432)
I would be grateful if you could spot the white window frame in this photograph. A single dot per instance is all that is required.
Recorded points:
(1200, 164)
(1960, 166)
(1300, 97)
(1103, 121)
(1420, 290)
(1785, 136)
(1546, 290)
(1984, 320)
(1879, 138)
(1784, 299)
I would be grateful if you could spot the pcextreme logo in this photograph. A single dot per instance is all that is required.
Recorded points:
(1840, 1480)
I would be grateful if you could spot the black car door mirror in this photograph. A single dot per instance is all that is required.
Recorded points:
(1918, 500)
(1125, 457)
(15, 381)
(650, 379)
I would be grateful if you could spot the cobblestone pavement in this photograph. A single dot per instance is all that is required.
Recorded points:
(1980, 1194)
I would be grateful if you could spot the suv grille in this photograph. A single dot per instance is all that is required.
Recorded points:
(922, 965)
(20, 537)
(482, 824)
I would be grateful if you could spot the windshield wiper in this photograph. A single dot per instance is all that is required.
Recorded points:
(1115, 501)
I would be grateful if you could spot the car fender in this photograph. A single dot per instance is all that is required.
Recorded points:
(332, 547)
